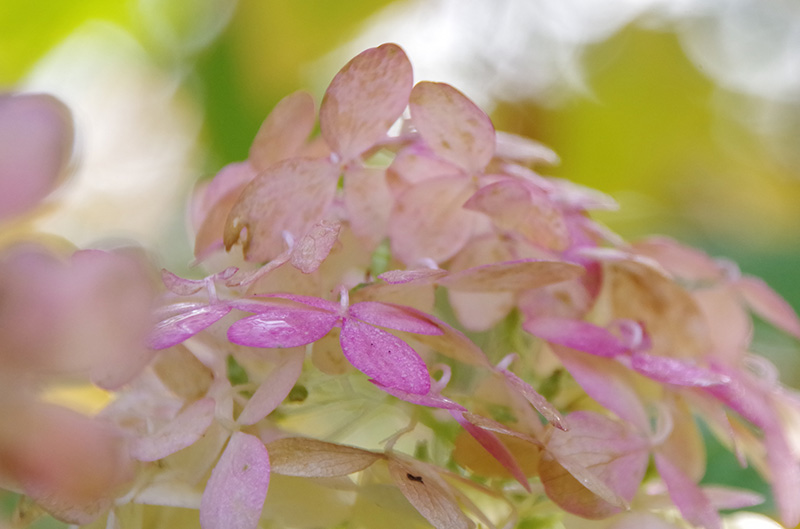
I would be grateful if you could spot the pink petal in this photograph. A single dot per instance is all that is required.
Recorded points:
(522, 149)
(267, 301)
(452, 125)
(541, 404)
(429, 221)
(394, 317)
(235, 493)
(416, 276)
(674, 371)
(607, 382)
(282, 326)
(290, 196)
(182, 431)
(415, 164)
(511, 276)
(369, 203)
(309, 253)
(454, 344)
(575, 334)
(595, 446)
(284, 131)
(431, 400)
(180, 285)
(310, 458)
(35, 145)
(184, 325)
(364, 99)
(769, 305)
(275, 388)
(516, 206)
(494, 446)
(385, 358)
(680, 260)
(687, 496)
(730, 325)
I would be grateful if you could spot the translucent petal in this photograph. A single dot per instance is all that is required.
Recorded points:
(452, 125)
(516, 206)
(35, 145)
(611, 451)
(290, 196)
(282, 326)
(494, 446)
(274, 389)
(237, 488)
(310, 251)
(687, 496)
(429, 220)
(429, 494)
(769, 305)
(385, 358)
(182, 431)
(541, 404)
(369, 203)
(284, 131)
(431, 400)
(416, 276)
(575, 334)
(310, 458)
(512, 276)
(364, 99)
(394, 317)
(184, 325)
(521, 149)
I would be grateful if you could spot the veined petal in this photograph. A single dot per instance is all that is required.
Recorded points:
(431, 400)
(235, 493)
(385, 358)
(369, 203)
(394, 317)
(429, 220)
(184, 325)
(310, 458)
(364, 99)
(290, 196)
(511, 276)
(282, 326)
(284, 131)
(452, 125)
(182, 431)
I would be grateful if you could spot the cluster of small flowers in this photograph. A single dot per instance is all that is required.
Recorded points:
(389, 246)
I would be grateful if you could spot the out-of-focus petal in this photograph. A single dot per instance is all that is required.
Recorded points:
(385, 358)
(674, 371)
(182, 431)
(416, 276)
(35, 145)
(516, 206)
(284, 131)
(609, 450)
(235, 493)
(521, 149)
(690, 500)
(364, 99)
(290, 196)
(769, 305)
(429, 220)
(576, 334)
(275, 388)
(452, 125)
(541, 404)
(369, 203)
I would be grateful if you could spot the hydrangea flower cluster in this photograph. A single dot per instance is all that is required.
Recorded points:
(406, 271)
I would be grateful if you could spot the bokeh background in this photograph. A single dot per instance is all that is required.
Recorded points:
(685, 111)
